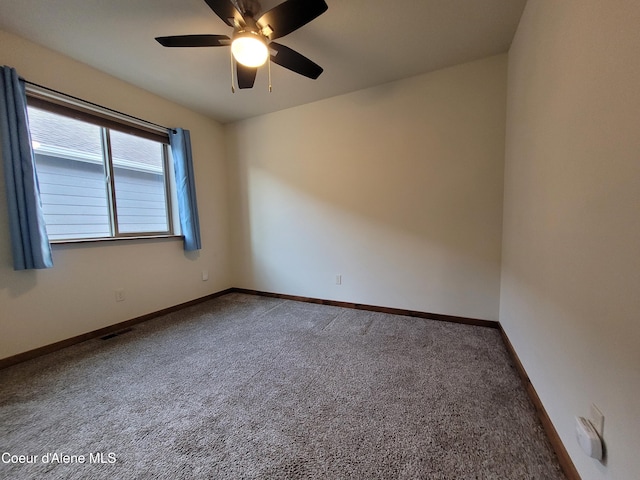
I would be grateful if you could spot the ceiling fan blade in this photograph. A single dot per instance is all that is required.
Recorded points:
(225, 10)
(246, 75)
(291, 15)
(194, 41)
(294, 61)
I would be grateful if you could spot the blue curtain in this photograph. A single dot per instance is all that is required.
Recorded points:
(29, 241)
(180, 142)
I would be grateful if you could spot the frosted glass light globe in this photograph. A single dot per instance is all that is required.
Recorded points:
(249, 50)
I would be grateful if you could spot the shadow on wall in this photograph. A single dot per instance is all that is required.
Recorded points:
(417, 164)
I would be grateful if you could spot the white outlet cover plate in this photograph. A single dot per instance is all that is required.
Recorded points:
(588, 438)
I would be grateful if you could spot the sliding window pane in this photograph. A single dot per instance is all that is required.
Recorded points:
(140, 192)
(71, 175)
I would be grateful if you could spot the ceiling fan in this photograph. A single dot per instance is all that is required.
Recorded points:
(252, 41)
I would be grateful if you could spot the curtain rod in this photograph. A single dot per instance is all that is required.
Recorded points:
(97, 105)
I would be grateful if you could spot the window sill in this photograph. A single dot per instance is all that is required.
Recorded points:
(114, 239)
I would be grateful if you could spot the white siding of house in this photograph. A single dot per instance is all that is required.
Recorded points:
(73, 197)
(75, 204)
(141, 201)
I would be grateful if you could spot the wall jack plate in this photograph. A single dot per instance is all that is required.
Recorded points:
(588, 438)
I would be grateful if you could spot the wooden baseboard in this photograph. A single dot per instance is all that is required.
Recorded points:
(564, 459)
(372, 308)
(37, 352)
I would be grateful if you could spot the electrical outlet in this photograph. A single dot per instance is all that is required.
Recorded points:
(338, 279)
(205, 275)
(119, 295)
(597, 419)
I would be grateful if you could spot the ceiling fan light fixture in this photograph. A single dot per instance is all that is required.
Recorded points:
(249, 49)
(252, 41)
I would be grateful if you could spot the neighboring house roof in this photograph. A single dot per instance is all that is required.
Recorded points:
(56, 134)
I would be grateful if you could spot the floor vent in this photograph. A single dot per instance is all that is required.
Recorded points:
(116, 334)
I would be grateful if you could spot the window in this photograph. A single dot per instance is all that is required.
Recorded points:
(99, 179)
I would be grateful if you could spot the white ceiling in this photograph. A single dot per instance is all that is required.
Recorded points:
(359, 43)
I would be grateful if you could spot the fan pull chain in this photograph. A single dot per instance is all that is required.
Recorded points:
(269, 60)
(233, 88)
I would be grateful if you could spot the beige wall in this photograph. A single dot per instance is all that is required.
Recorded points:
(570, 292)
(397, 188)
(77, 295)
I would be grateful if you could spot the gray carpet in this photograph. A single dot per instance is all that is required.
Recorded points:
(245, 387)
